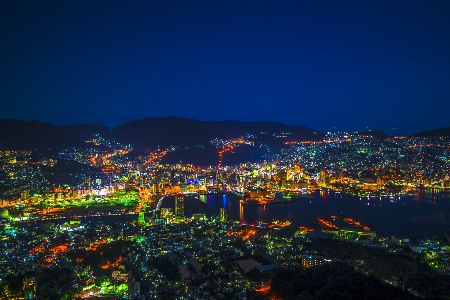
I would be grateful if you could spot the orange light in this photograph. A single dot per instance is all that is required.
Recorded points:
(265, 288)
(112, 265)
(327, 223)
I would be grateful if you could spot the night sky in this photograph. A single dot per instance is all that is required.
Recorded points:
(328, 65)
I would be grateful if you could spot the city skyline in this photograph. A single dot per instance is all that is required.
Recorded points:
(330, 66)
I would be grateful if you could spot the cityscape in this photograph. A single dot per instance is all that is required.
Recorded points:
(224, 149)
(108, 221)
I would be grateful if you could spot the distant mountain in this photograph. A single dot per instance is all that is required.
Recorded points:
(378, 134)
(196, 156)
(209, 156)
(30, 135)
(151, 132)
(85, 131)
(435, 132)
(148, 133)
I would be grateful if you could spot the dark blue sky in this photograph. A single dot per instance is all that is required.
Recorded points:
(322, 64)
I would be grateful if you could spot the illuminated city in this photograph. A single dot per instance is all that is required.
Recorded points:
(129, 226)
(224, 149)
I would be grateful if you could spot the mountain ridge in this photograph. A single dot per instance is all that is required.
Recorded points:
(143, 133)
(29, 135)
(435, 132)
(159, 131)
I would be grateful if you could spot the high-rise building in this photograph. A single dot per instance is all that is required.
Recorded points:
(25, 195)
(28, 288)
(323, 177)
(179, 206)
(222, 215)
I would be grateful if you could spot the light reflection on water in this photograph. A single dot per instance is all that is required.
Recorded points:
(401, 215)
(211, 201)
(425, 215)
(203, 198)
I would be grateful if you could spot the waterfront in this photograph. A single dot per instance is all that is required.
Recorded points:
(425, 215)
(96, 244)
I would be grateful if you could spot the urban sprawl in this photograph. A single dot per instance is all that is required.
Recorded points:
(90, 223)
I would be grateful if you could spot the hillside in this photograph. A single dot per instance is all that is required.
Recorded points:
(152, 132)
(378, 134)
(435, 132)
(30, 135)
(144, 133)
(84, 131)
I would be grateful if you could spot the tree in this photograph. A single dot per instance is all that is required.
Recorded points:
(331, 281)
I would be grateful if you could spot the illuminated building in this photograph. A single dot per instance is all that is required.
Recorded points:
(165, 211)
(323, 177)
(122, 277)
(161, 221)
(179, 206)
(25, 195)
(130, 185)
(29, 288)
(157, 188)
(309, 260)
(222, 215)
(141, 218)
(199, 217)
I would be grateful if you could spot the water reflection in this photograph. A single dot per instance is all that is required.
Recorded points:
(262, 212)
(404, 215)
(224, 200)
(211, 201)
(433, 196)
(241, 211)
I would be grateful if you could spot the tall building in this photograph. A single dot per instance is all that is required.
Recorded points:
(222, 215)
(29, 288)
(323, 177)
(179, 206)
(25, 195)
(141, 218)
